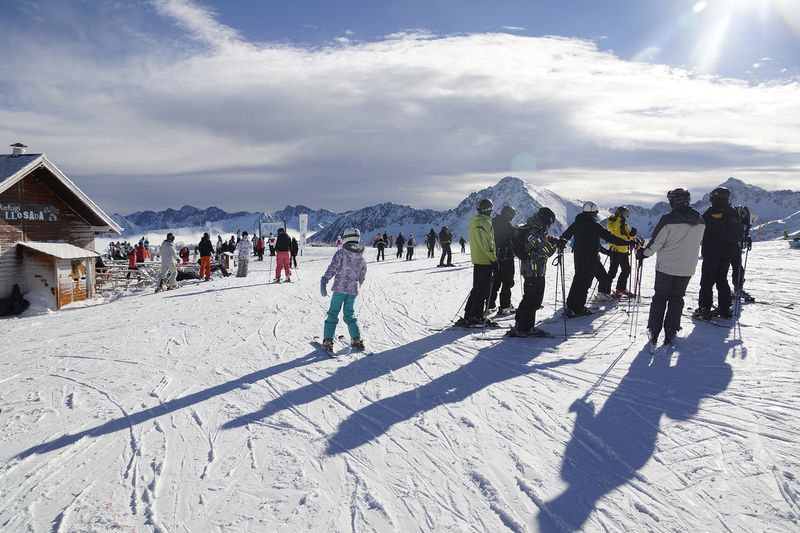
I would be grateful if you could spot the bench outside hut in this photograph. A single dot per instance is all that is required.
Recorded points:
(47, 231)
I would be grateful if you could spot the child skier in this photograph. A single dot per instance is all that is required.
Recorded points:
(349, 268)
(410, 244)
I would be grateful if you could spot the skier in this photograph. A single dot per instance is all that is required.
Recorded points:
(132, 261)
(463, 244)
(410, 244)
(386, 239)
(350, 270)
(400, 241)
(724, 229)
(535, 247)
(504, 278)
(338, 241)
(184, 255)
(620, 255)
(445, 239)
(676, 239)
(484, 261)
(380, 244)
(244, 249)
(391, 241)
(271, 244)
(294, 251)
(169, 270)
(737, 273)
(260, 248)
(283, 247)
(430, 240)
(206, 249)
(587, 233)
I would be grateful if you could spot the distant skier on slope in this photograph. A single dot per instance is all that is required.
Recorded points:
(349, 269)
(169, 270)
(463, 244)
(295, 249)
(380, 244)
(400, 241)
(536, 247)
(504, 278)
(446, 239)
(430, 240)
(283, 249)
(206, 249)
(620, 255)
(410, 244)
(676, 239)
(724, 229)
(484, 264)
(587, 233)
(244, 249)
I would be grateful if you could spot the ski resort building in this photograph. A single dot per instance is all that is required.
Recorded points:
(47, 230)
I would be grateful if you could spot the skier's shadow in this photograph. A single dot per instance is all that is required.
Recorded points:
(607, 449)
(491, 365)
(127, 422)
(360, 371)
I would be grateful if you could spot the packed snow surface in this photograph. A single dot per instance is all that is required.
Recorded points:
(206, 408)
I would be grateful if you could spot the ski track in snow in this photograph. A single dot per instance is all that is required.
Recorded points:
(205, 408)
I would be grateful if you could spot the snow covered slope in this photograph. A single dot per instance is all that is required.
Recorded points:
(207, 409)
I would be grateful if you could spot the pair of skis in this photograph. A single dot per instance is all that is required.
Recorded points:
(343, 350)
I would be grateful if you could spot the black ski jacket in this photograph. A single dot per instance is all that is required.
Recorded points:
(503, 232)
(206, 248)
(295, 247)
(283, 243)
(445, 237)
(724, 230)
(400, 241)
(431, 239)
(587, 233)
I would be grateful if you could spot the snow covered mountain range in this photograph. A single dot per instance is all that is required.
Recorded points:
(775, 211)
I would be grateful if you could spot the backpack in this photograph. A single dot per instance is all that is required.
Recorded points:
(518, 241)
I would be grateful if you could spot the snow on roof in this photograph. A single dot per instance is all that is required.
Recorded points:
(15, 167)
(59, 250)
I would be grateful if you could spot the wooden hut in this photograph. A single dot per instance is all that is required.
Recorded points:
(47, 230)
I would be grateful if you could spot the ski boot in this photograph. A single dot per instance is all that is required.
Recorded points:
(357, 344)
(491, 310)
(327, 345)
(505, 311)
(725, 312)
(669, 337)
(572, 313)
(622, 293)
(702, 313)
(602, 297)
(514, 331)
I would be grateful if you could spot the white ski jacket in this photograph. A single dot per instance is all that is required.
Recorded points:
(677, 239)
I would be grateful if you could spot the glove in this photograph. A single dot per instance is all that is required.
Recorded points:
(495, 268)
(323, 286)
(749, 241)
(633, 232)
(561, 244)
(640, 254)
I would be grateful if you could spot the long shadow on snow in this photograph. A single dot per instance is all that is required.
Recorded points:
(127, 422)
(607, 449)
(197, 293)
(360, 371)
(497, 363)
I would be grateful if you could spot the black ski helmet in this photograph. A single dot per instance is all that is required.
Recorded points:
(508, 212)
(721, 196)
(622, 211)
(170, 237)
(546, 215)
(679, 197)
(485, 206)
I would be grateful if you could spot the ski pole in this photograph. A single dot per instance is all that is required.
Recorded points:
(452, 320)
(558, 262)
(639, 268)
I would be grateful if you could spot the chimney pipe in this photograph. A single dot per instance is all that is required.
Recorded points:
(18, 149)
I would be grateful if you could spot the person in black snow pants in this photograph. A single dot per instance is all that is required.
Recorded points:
(724, 230)
(676, 241)
(399, 242)
(538, 247)
(445, 239)
(294, 250)
(587, 233)
(430, 240)
(410, 244)
(380, 244)
(504, 279)
(463, 244)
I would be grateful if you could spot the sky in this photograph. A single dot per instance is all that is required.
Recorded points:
(253, 105)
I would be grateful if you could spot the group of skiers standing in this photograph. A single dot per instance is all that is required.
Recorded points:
(406, 246)
(723, 232)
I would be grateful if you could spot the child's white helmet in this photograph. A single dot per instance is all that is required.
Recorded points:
(351, 235)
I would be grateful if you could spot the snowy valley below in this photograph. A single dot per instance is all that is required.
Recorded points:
(206, 408)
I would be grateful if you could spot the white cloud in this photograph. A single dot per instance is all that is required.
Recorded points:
(414, 118)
